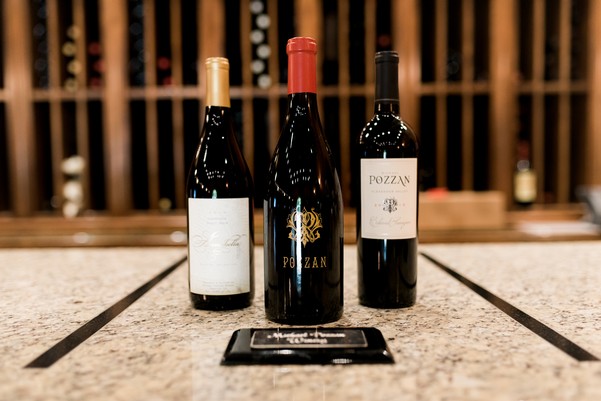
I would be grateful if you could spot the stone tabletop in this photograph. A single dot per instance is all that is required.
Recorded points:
(452, 345)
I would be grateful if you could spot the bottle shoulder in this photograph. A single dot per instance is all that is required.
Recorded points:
(302, 163)
(387, 131)
(218, 163)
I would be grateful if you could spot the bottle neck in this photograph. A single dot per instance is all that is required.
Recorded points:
(304, 103)
(387, 83)
(218, 86)
(302, 72)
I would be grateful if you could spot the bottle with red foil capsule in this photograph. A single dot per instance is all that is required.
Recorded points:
(303, 211)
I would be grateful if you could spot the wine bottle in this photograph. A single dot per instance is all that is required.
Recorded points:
(388, 204)
(220, 206)
(303, 211)
(524, 177)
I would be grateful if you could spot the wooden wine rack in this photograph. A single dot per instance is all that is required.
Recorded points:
(474, 77)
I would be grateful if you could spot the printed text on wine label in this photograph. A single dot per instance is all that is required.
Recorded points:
(403, 180)
(307, 262)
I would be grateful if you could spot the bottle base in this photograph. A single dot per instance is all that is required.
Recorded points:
(305, 320)
(386, 305)
(221, 302)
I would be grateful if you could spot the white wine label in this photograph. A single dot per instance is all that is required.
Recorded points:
(389, 198)
(525, 186)
(219, 251)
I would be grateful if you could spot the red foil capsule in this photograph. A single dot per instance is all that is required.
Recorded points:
(302, 61)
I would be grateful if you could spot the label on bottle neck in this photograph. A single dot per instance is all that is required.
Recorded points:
(389, 198)
(218, 82)
(219, 244)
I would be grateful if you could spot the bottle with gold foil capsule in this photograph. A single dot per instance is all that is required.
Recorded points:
(220, 206)
(303, 211)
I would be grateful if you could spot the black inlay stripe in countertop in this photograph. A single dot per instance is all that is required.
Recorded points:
(537, 327)
(74, 339)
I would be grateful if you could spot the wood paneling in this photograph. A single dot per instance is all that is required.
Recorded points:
(503, 66)
(19, 108)
(593, 149)
(551, 136)
(117, 126)
(407, 42)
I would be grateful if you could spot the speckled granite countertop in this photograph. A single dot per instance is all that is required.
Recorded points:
(452, 345)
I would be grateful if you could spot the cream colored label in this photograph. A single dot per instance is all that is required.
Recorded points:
(219, 247)
(389, 198)
(525, 186)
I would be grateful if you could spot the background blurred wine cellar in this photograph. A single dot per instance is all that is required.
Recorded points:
(119, 85)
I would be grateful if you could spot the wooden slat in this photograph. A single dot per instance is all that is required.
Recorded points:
(370, 52)
(212, 28)
(441, 54)
(19, 109)
(81, 104)
(54, 84)
(467, 142)
(200, 70)
(116, 120)
(309, 22)
(247, 82)
(593, 137)
(554, 87)
(467, 104)
(406, 39)
(503, 93)
(453, 88)
(273, 95)
(177, 107)
(152, 122)
(344, 116)
(563, 129)
(538, 100)
(565, 45)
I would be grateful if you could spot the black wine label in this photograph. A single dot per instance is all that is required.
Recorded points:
(317, 345)
(308, 338)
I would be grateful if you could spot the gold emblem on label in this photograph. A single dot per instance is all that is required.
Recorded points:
(304, 225)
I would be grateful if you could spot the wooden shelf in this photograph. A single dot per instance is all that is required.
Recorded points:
(474, 77)
(155, 229)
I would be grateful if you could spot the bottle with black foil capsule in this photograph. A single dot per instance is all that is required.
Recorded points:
(220, 206)
(388, 205)
(303, 211)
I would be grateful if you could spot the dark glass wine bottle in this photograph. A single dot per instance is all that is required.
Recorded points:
(220, 206)
(303, 209)
(388, 204)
